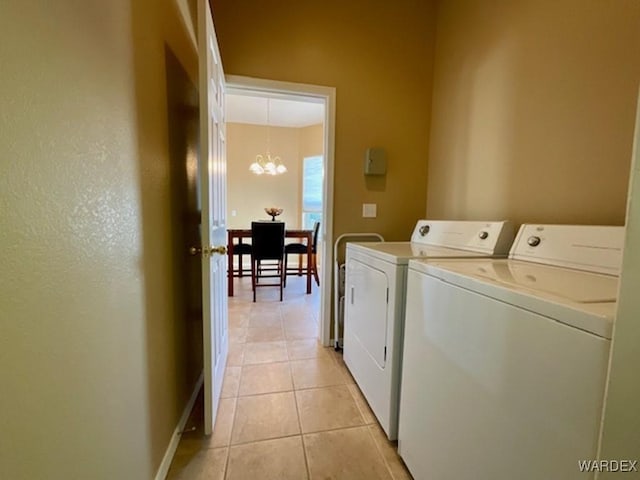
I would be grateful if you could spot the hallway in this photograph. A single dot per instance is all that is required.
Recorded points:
(290, 408)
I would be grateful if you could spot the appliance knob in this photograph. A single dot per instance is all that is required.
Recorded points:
(424, 230)
(533, 241)
(483, 235)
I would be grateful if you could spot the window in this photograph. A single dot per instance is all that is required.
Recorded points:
(312, 180)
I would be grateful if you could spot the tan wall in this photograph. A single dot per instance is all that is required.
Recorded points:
(92, 379)
(249, 194)
(378, 56)
(311, 141)
(533, 109)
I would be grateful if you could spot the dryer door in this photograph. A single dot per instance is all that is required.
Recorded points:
(367, 290)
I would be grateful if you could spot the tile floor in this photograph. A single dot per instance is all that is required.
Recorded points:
(290, 408)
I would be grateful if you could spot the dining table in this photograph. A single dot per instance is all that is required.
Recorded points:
(240, 234)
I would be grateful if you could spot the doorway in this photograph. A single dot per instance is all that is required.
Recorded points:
(283, 92)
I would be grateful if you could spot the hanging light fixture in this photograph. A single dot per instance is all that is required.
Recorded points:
(266, 164)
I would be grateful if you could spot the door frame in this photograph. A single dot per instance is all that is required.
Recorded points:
(238, 84)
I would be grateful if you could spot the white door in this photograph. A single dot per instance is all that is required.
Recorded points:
(213, 222)
(366, 312)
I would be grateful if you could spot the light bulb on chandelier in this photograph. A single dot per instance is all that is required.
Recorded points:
(266, 164)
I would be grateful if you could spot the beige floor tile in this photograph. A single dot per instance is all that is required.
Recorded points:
(348, 378)
(348, 454)
(389, 451)
(265, 320)
(313, 300)
(265, 378)
(239, 305)
(263, 417)
(305, 320)
(237, 335)
(231, 382)
(327, 408)
(337, 357)
(266, 307)
(196, 455)
(242, 291)
(368, 416)
(335, 354)
(264, 334)
(295, 306)
(299, 333)
(280, 459)
(342, 367)
(305, 349)
(268, 296)
(194, 439)
(221, 436)
(238, 319)
(235, 358)
(346, 374)
(265, 352)
(315, 372)
(208, 464)
(191, 442)
(260, 308)
(296, 292)
(295, 313)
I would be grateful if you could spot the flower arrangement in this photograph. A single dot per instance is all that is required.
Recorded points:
(273, 211)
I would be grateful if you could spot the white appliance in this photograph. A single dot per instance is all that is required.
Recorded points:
(505, 361)
(375, 295)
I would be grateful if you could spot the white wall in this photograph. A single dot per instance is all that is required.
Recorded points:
(621, 428)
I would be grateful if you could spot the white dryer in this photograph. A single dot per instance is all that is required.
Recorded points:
(375, 283)
(505, 361)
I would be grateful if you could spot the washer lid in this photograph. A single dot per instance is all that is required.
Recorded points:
(401, 252)
(585, 300)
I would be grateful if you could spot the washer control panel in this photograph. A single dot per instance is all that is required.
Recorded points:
(533, 241)
(584, 247)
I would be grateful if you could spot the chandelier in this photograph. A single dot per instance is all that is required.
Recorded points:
(266, 164)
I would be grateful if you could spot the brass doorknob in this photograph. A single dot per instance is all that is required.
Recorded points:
(222, 250)
(195, 251)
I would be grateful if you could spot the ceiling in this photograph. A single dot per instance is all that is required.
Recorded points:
(282, 112)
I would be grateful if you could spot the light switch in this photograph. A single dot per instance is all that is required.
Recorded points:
(234, 213)
(369, 210)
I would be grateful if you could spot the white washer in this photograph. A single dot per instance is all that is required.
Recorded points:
(505, 361)
(375, 295)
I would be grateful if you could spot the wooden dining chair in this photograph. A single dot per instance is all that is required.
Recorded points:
(239, 250)
(267, 245)
(300, 249)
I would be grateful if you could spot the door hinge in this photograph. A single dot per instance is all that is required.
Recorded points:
(387, 295)
(385, 354)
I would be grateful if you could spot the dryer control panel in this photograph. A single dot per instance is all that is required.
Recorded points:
(492, 238)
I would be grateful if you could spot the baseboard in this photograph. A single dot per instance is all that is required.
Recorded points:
(163, 470)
